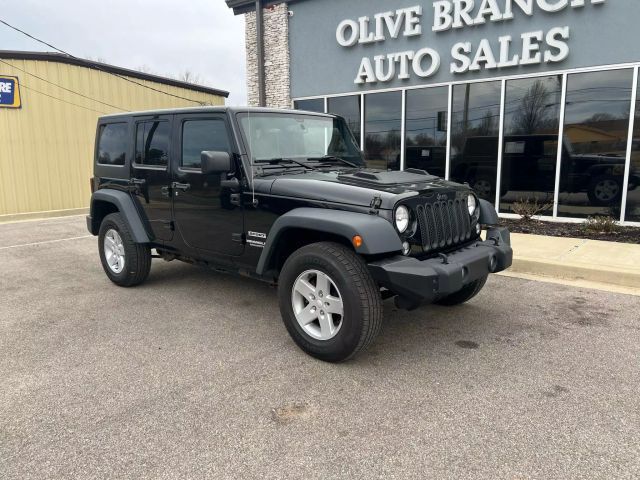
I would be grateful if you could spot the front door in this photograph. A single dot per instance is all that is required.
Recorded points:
(206, 211)
(150, 176)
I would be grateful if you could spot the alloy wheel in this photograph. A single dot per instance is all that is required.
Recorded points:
(317, 305)
(114, 251)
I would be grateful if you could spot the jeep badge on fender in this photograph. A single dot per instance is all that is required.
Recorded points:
(285, 197)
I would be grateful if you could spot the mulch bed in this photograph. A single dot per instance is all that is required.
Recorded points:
(574, 230)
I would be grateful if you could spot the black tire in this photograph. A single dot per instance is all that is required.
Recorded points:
(595, 192)
(361, 300)
(137, 257)
(463, 295)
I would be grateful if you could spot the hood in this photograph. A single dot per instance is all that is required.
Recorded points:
(360, 187)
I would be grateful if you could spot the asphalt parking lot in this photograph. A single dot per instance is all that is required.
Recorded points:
(193, 375)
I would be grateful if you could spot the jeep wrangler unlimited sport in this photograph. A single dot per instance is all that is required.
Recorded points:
(283, 196)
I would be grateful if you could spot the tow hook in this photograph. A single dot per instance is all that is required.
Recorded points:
(444, 257)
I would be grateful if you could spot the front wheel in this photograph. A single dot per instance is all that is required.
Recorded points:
(463, 295)
(125, 262)
(329, 302)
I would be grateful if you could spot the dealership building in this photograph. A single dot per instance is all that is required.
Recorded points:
(526, 100)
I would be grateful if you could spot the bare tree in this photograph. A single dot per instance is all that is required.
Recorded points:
(532, 115)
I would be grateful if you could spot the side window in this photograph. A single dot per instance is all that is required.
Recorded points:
(152, 143)
(112, 144)
(202, 135)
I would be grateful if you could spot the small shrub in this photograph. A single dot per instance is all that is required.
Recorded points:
(528, 208)
(601, 224)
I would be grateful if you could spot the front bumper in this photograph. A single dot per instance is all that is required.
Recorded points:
(416, 281)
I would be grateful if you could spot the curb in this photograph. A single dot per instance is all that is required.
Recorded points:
(572, 271)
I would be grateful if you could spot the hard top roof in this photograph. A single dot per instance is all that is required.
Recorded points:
(187, 110)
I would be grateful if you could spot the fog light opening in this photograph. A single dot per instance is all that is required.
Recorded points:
(493, 263)
(465, 272)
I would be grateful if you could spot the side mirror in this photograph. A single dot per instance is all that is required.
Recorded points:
(215, 162)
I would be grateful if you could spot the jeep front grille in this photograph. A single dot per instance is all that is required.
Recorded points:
(443, 224)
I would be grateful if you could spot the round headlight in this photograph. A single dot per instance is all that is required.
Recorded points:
(402, 218)
(472, 204)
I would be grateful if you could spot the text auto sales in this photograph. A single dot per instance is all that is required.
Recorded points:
(535, 47)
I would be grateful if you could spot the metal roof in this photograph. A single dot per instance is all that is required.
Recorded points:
(61, 58)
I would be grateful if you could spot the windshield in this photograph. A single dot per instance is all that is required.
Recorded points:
(271, 136)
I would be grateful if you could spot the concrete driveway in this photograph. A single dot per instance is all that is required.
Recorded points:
(193, 375)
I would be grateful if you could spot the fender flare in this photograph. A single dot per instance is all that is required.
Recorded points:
(124, 203)
(378, 235)
(488, 215)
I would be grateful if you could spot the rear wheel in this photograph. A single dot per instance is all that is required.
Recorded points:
(330, 305)
(605, 190)
(125, 262)
(463, 295)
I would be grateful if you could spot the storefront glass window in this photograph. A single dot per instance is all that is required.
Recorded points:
(633, 195)
(314, 105)
(595, 130)
(383, 112)
(530, 150)
(426, 129)
(349, 109)
(475, 123)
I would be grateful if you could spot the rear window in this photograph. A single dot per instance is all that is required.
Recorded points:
(112, 144)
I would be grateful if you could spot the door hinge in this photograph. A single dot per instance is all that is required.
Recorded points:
(237, 237)
(235, 199)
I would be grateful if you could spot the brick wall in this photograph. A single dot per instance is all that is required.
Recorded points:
(276, 51)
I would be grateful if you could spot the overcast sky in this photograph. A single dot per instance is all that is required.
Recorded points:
(164, 36)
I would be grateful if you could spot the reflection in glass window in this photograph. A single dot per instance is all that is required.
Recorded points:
(349, 109)
(530, 151)
(152, 143)
(426, 129)
(633, 195)
(475, 122)
(200, 136)
(112, 146)
(314, 105)
(383, 113)
(596, 130)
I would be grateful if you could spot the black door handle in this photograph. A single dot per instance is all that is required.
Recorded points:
(181, 186)
(137, 181)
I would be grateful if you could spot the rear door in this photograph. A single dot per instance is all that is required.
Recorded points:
(150, 176)
(206, 207)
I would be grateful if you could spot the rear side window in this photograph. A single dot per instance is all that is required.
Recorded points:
(152, 143)
(202, 135)
(112, 144)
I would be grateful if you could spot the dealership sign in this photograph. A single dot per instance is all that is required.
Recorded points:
(9, 92)
(528, 48)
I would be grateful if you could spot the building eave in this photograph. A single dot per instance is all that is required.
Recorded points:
(61, 58)
(244, 6)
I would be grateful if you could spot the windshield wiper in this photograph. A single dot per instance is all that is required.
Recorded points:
(280, 161)
(333, 157)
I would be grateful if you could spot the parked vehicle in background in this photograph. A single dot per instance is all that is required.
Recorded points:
(283, 197)
(529, 164)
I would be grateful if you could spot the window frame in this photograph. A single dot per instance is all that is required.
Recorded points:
(141, 166)
(127, 152)
(180, 139)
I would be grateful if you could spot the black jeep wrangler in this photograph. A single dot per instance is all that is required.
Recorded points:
(283, 196)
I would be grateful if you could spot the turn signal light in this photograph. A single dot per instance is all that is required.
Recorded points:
(357, 241)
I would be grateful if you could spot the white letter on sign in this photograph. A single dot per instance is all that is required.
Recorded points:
(441, 16)
(366, 73)
(419, 57)
(342, 30)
